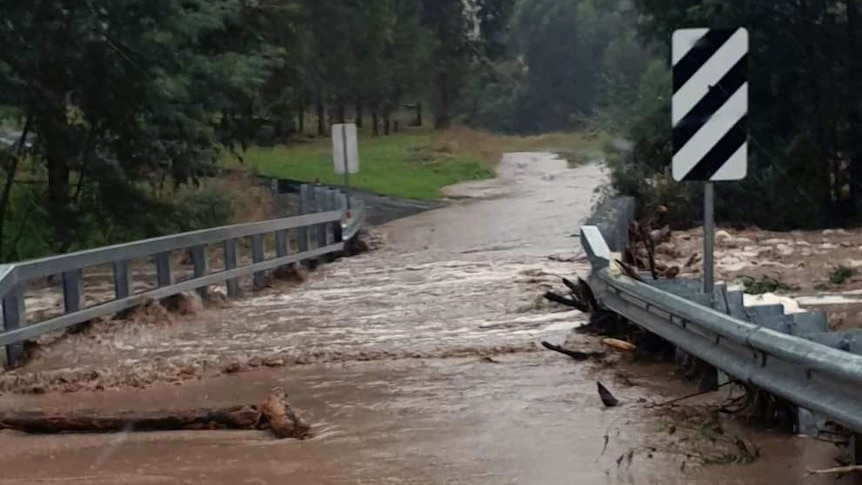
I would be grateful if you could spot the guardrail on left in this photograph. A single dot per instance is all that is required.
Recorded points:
(318, 233)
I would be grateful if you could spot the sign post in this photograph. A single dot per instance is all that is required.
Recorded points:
(345, 153)
(709, 111)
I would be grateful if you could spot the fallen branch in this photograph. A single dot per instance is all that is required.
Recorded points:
(562, 300)
(689, 396)
(278, 414)
(237, 417)
(571, 353)
(275, 414)
(836, 470)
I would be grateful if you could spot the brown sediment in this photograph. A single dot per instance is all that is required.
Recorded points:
(147, 373)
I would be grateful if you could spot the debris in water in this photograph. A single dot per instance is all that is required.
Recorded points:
(628, 270)
(839, 470)
(562, 300)
(618, 344)
(608, 399)
(275, 414)
(571, 353)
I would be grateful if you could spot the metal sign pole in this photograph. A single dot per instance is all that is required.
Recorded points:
(708, 238)
(346, 168)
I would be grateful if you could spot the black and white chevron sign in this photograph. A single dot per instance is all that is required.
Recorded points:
(710, 104)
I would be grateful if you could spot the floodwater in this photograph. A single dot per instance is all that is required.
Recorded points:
(421, 367)
(524, 419)
(466, 279)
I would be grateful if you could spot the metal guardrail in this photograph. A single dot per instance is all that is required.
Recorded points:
(321, 228)
(792, 356)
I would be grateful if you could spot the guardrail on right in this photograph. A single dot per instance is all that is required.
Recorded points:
(794, 357)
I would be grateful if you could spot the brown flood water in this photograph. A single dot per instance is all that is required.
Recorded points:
(387, 387)
(529, 419)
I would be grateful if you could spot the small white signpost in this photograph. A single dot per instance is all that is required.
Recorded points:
(345, 153)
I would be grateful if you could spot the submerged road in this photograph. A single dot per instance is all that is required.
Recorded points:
(416, 363)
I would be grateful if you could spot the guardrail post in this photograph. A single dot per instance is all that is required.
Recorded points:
(122, 279)
(163, 269)
(330, 227)
(14, 315)
(341, 201)
(199, 263)
(257, 256)
(280, 244)
(304, 208)
(232, 284)
(73, 290)
(320, 206)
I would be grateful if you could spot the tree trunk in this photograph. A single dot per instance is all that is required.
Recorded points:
(854, 105)
(418, 114)
(375, 123)
(387, 124)
(301, 119)
(321, 119)
(358, 118)
(442, 118)
(275, 414)
(11, 171)
(237, 417)
(59, 200)
(342, 112)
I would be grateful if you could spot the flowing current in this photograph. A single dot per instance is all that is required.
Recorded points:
(420, 365)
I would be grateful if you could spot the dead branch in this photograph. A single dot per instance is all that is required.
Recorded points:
(275, 414)
(571, 353)
(836, 470)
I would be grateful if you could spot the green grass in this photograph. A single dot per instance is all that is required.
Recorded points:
(413, 164)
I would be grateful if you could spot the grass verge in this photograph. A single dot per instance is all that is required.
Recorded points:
(413, 164)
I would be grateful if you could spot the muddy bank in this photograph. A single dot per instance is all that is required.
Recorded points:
(818, 269)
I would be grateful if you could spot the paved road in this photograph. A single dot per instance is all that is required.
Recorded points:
(420, 366)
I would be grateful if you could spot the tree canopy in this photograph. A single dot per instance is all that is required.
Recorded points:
(104, 103)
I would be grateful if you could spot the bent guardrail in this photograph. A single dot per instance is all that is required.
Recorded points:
(794, 356)
(319, 231)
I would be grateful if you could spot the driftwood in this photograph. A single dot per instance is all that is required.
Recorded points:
(279, 416)
(605, 395)
(275, 414)
(577, 355)
(839, 470)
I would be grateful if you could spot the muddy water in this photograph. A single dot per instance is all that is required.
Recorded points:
(528, 419)
(462, 280)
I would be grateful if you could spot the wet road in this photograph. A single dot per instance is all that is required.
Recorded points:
(462, 280)
(394, 384)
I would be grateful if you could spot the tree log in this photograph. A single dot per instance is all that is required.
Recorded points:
(282, 421)
(236, 417)
(275, 414)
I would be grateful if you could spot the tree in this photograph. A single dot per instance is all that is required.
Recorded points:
(115, 93)
(452, 51)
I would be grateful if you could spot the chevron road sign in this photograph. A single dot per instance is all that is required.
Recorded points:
(710, 104)
(710, 113)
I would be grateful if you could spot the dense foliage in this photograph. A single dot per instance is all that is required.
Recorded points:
(107, 105)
